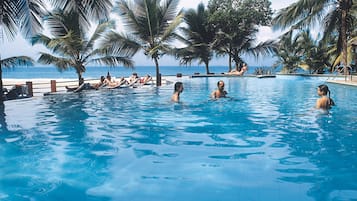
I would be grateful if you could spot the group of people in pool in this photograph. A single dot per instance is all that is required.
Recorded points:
(109, 82)
(325, 102)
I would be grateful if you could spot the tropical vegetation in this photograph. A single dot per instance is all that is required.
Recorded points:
(236, 23)
(337, 19)
(19, 15)
(70, 45)
(198, 37)
(151, 25)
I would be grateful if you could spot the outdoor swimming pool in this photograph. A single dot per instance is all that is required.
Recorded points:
(265, 142)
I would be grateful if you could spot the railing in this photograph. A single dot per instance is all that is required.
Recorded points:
(39, 88)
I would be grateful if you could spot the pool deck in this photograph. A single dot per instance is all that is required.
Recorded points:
(352, 82)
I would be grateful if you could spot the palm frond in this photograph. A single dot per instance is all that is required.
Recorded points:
(264, 48)
(114, 61)
(17, 61)
(96, 10)
(60, 62)
(170, 30)
(116, 43)
(128, 13)
(304, 12)
(30, 13)
(8, 17)
(98, 33)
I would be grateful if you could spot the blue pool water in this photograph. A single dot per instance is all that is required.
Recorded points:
(265, 142)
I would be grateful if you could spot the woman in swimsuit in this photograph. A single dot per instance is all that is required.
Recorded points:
(324, 102)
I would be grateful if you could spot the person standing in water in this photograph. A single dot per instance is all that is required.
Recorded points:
(220, 92)
(324, 102)
(177, 91)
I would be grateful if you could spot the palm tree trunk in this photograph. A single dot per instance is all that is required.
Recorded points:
(207, 68)
(344, 41)
(158, 75)
(80, 78)
(1, 84)
(230, 63)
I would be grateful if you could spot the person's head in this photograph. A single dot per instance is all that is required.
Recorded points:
(108, 76)
(244, 67)
(135, 75)
(323, 90)
(178, 87)
(220, 84)
(102, 78)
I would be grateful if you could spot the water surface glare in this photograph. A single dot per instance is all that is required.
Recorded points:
(264, 142)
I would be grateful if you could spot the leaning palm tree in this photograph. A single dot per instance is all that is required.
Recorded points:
(20, 15)
(71, 48)
(336, 16)
(152, 26)
(198, 37)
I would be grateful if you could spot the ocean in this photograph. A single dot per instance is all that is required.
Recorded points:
(92, 72)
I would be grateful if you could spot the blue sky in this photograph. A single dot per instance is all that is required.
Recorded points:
(20, 46)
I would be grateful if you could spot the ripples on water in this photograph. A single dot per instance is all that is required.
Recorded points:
(264, 142)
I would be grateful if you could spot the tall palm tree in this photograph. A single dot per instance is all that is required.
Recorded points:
(198, 37)
(23, 15)
(152, 26)
(334, 13)
(71, 47)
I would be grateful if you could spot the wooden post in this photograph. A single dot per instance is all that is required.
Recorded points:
(29, 88)
(53, 86)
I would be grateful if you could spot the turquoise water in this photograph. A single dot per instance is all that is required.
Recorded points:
(265, 142)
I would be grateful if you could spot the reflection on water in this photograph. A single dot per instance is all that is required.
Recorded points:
(265, 142)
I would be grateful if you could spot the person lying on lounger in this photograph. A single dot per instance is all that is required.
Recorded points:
(146, 79)
(241, 72)
(134, 78)
(118, 83)
(86, 86)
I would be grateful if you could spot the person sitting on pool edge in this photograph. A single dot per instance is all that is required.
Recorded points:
(177, 91)
(324, 102)
(220, 92)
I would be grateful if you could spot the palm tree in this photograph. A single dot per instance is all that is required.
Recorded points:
(314, 53)
(18, 15)
(306, 13)
(151, 25)
(198, 37)
(288, 53)
(71, 48)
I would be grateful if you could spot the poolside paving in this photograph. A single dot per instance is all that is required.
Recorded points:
(348, 81)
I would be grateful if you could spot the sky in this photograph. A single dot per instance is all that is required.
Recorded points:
(20, 47)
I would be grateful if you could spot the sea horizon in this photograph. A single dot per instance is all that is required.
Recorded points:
(92, 72)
